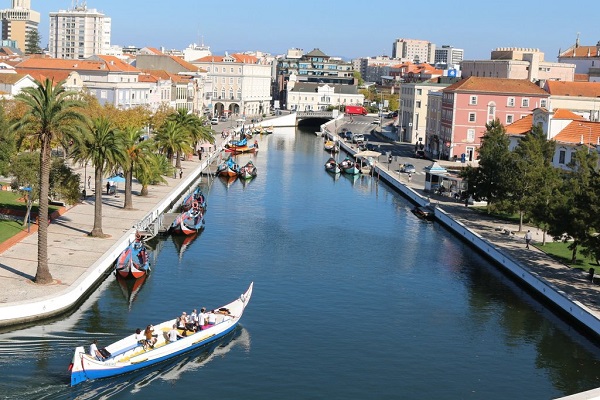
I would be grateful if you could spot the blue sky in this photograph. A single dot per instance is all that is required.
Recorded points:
(344, 28)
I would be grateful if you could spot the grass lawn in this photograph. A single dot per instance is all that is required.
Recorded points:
(9, 229)
(9, 199)
(560, 252)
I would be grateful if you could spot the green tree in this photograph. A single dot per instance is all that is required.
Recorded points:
(151, 172)
(574, 218)
(24, 169)
(172, 140)
(192, 126)
(8, 143)
(104, 147)
(32, 42)
(137, 152)
(491, 180)
(64, 183)
(530, 161)
(51, 111)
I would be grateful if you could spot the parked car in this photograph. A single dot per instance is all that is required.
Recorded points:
(376, 121)
(420, 154)
(214, 121)
(346, 135)
(223, 118)
(408, 168)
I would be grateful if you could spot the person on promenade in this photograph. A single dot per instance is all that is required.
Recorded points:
(89, 182)
(527, 239)
(409, 176)
(107, 187)
(180, 173)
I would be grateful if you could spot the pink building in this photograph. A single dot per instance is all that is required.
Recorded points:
(468, 105)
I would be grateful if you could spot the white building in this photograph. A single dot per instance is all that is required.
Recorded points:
(18, 21)
(449, 56)
(240, 84)
(304, 96)
(79, 33)
(195, 51)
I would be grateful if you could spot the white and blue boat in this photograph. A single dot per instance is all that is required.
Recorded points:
(128, 355)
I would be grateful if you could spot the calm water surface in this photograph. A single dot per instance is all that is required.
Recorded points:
(354, 298)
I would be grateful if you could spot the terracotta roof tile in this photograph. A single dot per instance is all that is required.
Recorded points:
(109, 63)
(41, 74)
(561, 113)
(580, 132)
(581, 51)
(496, 85)
(11, 78)
(521, 126)
(575, 89)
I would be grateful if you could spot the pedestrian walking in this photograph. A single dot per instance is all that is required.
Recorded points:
(527, 239)
(89, 182)
(180, 173)
(409, 176)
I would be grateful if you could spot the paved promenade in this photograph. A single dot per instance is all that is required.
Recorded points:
(71, 252)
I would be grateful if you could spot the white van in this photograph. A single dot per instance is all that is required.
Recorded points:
(214, 121)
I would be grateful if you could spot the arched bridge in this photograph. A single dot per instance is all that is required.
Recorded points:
(313, 117)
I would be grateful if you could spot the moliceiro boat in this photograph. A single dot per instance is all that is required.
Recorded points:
(188, 222)
(128, 354)
(133, 261)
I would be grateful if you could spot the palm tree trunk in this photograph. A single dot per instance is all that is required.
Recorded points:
(144, 191)
(178, 161)
(97, 229)
(42, 274)
(128, 183)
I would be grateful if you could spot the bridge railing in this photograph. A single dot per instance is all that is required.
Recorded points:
(314, 114)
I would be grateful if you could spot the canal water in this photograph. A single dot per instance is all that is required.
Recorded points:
(354, 298)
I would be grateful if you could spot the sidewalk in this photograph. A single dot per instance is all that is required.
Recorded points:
(71, 252)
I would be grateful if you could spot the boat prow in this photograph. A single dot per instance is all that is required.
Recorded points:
(127, 355)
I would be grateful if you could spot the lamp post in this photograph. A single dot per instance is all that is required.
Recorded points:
(589, 142)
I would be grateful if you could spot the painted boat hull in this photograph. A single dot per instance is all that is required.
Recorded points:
(128, 355)
(197, 196)
(188, 222)
(133, 261)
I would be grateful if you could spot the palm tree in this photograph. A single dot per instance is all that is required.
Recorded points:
(192, 125)
(171, 139)
(104, 147)
(137, 152)
(52, 111)
(151, 172)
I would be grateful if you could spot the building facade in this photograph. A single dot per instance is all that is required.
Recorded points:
(449, 56)
(585, 58)
(312, 67)
(18, 21)
(237, 84)
(518, 63)
(303, 96)
(468, 105)
(582, 98)
(78, 33)
(417, 51)
(412, 116)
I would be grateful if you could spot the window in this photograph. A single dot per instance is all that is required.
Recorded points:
(473, 100)
(510, 102)
(471, 117)
(544, 103)
(470, 135)
(525, 102)
(418, 104)
(509, 119)
(561, 156)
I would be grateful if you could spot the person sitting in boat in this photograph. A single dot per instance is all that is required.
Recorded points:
(202, 318)
(193, 319)
(151, 338)
(94, 352)
(174, 334)
(182, 321)
(212, 318)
